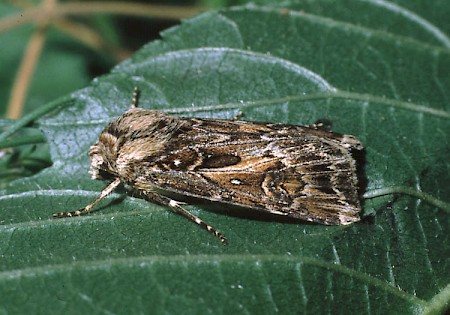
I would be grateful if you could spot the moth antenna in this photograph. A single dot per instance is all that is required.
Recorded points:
(134, 99)
(105, 192)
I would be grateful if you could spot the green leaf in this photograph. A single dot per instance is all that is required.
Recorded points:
(273, 65)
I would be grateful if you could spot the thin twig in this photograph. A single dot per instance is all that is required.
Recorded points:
(34, 14)
(27, 67)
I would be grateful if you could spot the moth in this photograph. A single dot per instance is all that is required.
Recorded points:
(303, 172)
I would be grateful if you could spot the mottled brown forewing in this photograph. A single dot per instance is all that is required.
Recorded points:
(301, 172)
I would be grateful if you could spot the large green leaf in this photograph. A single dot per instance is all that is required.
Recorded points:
(274, 65)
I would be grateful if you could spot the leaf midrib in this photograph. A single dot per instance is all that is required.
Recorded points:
(381, 101)
(354, 28)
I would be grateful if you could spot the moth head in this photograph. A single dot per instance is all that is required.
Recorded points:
(97, 162)
(103, 155)
(137, 135)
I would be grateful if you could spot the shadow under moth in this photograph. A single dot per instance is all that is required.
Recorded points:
(303, 172)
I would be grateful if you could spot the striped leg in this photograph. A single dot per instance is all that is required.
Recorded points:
(105, 192)
(175, 205)
(134, 99)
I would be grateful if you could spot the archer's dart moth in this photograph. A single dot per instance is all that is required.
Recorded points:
(302, 172)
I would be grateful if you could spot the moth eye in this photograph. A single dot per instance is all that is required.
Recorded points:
(102, 174)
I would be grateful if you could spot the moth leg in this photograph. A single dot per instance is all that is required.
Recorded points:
(322, 124)
(105, 192)
(134, 99)
(175, 205)
(238, 115)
